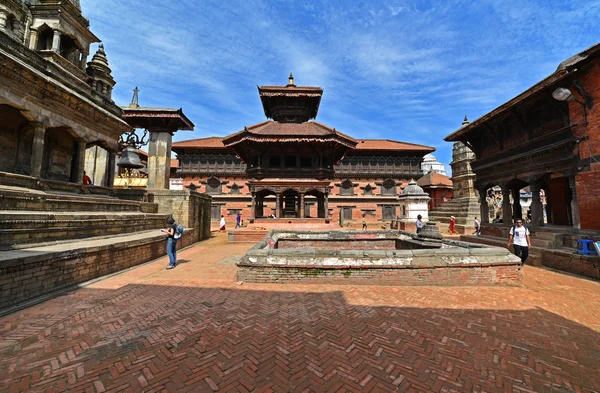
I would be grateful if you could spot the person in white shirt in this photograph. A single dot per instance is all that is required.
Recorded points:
(477, 227)
(519, 237)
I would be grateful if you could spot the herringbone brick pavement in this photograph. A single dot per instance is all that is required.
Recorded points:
(192, 329)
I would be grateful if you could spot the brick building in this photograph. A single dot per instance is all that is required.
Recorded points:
(438, 186)
(292, 167)
(547, 138)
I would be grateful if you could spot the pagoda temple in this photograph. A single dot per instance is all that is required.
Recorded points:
(291, 166)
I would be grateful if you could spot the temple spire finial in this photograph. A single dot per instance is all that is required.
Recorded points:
(135, 99)
(291, 80)
(466, 121)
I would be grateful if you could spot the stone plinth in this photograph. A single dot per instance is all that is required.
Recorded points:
(159, 160)
(404, 260)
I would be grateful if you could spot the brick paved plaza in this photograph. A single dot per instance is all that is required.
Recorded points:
(194, 329)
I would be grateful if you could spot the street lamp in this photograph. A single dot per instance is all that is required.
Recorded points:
(563, 94)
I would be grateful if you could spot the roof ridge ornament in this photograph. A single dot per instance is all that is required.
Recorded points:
(135, 99)
(291, 81)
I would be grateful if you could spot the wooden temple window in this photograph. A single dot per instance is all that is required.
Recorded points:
(306, 162)
(388, 212)
(233, 212)
(347, 188)
(274, 162)
(215, 212)
(290, 161)
(388, 187)
(234, 189)
(346, 212)
(213, 186)
(368, 190)
(368, 212)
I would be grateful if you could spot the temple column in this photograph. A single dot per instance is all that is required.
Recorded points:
(3, 19)
(506, 207)
(574, 204)
(56, 41)
(517, 211)
(484, 207)
(83, 61)
(33, 39)
(253, 207)
(80, 162)
(37, 149)
(278, 206)
(110, 177)
(537, 209)
(159, 159)
(301, 205)
(326, 205)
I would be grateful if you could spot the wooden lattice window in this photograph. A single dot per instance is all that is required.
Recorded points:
(388, 212)
(213, 186)
(346, 187)
(368, 190)
(234, 189)
(388, 187)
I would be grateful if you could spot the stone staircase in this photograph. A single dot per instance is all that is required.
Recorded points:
(463, 209)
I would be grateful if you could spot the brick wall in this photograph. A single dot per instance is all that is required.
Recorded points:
(588, 182)
(189, 208)
(26, 278)
(449, 276)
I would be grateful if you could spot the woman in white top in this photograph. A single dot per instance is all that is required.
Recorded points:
(519, 237)
(222, 224)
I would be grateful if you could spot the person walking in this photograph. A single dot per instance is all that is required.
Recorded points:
(238, 220)
(477, 227)
(419, 223)
(364, 223)
(519, 238)
(171, 242)
(222, 224)
(452, 227)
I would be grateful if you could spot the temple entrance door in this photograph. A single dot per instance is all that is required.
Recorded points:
(559, 201)
(290, 204)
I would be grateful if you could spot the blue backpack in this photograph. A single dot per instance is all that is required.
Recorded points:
(178, 232)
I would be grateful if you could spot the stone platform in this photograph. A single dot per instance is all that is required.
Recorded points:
(375, 257)
(31, 272)
(256, 231)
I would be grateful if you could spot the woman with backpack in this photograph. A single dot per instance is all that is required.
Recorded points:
(173, 235)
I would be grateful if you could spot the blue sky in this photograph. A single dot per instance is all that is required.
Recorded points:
(403, 70)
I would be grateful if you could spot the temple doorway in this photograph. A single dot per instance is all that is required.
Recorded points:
(290, 202)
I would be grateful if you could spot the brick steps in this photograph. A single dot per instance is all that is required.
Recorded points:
(19, 228)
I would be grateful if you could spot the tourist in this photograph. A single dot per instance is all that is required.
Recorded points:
(477, 227)
(519, 237)
(364, 222)
(452, 227)
(419, 223)
(86, 180)
(238, 220)
(171, 242)
(222, 224)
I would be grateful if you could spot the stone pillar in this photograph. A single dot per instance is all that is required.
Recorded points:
(301, 205)
(80, 162)
(326, 206)
(253, 208)
(574, 205)
(537, 209)
(159, 159)
(37, 150)
(517, 210)
(56, 41)
(278, 206)
(506, 207)
(110, 176)
(83, 63)
(484, 207)
(33, 39)
(3, 19)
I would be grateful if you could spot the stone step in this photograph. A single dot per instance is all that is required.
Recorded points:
(16, 198)
(18, 229)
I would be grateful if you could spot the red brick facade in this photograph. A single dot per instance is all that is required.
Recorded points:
(588, 180)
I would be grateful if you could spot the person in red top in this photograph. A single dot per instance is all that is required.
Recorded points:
(86, 180)
(452, 228)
